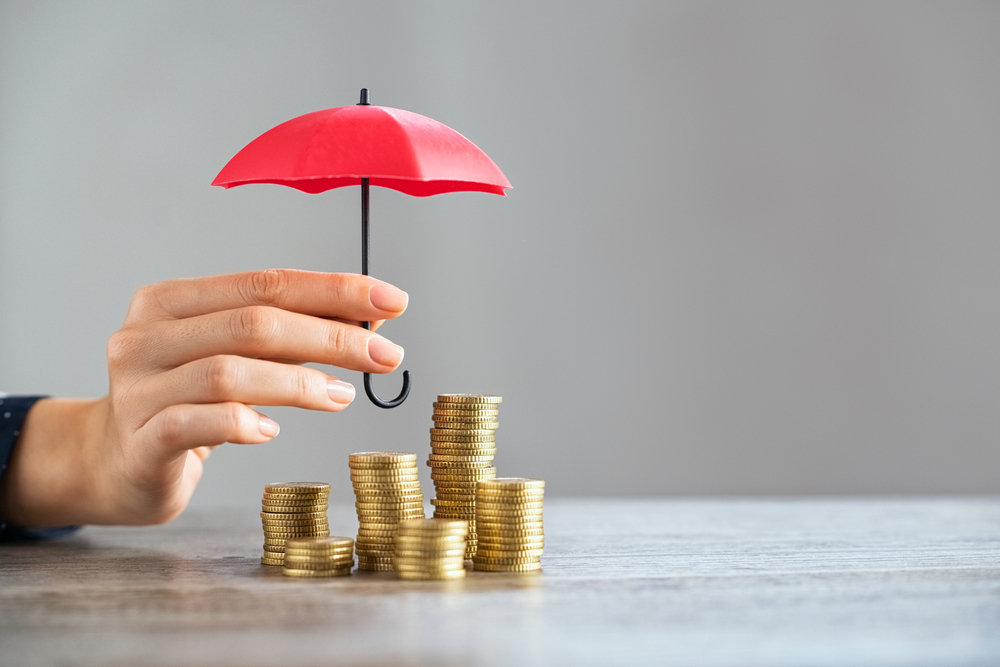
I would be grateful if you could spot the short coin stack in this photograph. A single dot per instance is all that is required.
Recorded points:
(463, 442)
(509, 520)
(387, 491)
(318, 557)
(289, 510)
(430, 549)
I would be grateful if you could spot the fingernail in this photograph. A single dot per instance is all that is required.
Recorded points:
(269, 427)
(383, 352)
(387, 297)
(340, 392)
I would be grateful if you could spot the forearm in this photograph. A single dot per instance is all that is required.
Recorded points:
(50, 478)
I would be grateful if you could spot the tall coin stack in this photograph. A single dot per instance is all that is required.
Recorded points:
(463, 442)
(318, 557)
(289, 510)
(509, 520)
(430, 549)
(387, 491)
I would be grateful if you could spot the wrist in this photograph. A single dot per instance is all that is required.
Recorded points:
(50, 478)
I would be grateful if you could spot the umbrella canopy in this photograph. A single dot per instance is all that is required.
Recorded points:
(392, 148)
(365, 145)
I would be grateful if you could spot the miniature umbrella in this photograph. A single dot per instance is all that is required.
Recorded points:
(365, 145)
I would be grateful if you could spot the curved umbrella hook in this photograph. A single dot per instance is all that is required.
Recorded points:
(405, 391)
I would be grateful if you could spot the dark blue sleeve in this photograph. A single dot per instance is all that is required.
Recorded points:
(13, 411)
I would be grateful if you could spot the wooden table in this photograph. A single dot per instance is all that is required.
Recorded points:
(686, 582)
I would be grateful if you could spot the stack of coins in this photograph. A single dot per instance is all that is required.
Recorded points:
(387, 491)
(430, 549)
(292, 509)
(318, 557)
(463, 442)
(509, 520)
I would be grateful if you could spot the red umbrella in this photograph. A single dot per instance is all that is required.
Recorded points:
(362, 145)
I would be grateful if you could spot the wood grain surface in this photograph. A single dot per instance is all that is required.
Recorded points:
(671, 582)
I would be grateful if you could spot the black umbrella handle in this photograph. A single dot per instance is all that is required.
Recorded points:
(405, 391)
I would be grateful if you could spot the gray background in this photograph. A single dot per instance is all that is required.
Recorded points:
(751, 247)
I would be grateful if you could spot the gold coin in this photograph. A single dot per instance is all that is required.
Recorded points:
(374, 553)
(312, 555)
(361, 457)
(426, 567)
(461, 458)
(317, 563)
(336, 572)
(464, 451)
(299, 518)
(453, 514)
(374, 545)
(412, 498)
(294, 522)
(532, 542)
(469, 398)
(388, 494)
(516, 513)
(429, 554)
(275, 551)
(320, 543)
(488, 552)
(400, 487)
(275, 542)
(460, 439)
(398, 512)
(521, 560)
(377, 532)
(433, 576)
(388, 504)
(437, 502)
(322, 502)
(381, 467)
(525, 567)
(450, 423)
(504, 532)
(294, 496)
(433, 526)
(368, 476)
(514, 483)
(319, 532)
(407, 537)
(369, 550)
(428, 547)
(463, 433)
(297, 487)
(285, 526)
(375, 542)
(265, 560)
(472, 412)
(509, 499)
(460, 495)
(375, 560)
(455, 486)
(474, 418)
(466, 475)
(482, 501)
(493, 523)
(459, 467)
(410, 469)
(290, 509)
(376, 568)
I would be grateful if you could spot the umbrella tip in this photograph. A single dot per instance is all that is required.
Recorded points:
(366, 99)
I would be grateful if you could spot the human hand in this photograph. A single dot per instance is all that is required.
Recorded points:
(190, 360)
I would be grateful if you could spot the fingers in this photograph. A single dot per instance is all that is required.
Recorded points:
(342, 295)
(227, 378)
(256, 332)
(179, 428)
